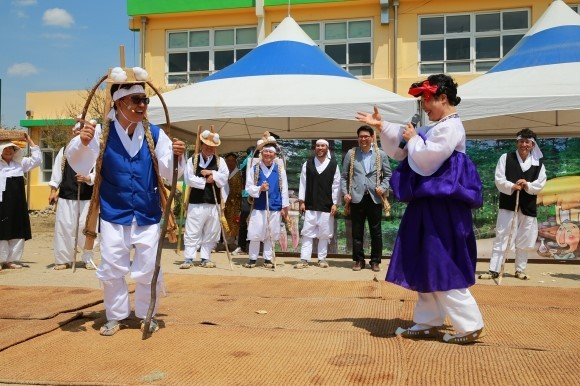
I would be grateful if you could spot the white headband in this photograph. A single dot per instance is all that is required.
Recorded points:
(271, 148)
(122, 92)
(536, 153)
(325, 142)
(322, 142)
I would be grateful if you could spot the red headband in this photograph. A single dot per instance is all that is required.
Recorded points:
(426, 89)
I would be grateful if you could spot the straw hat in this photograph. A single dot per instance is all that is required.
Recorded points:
(17, 150)
(210, 138)
(266, 139)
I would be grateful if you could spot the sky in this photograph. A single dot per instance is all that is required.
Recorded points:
(55, 45)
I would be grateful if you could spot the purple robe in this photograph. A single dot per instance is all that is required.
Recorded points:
(435, 248)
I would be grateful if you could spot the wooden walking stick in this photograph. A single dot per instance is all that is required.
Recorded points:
(270, 230)
(181, 212)
(74, 263)
(219, 208)
(507, 248)
(166, 217)
(166, 212)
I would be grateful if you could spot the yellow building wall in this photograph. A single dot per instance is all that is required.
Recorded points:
(53, 104)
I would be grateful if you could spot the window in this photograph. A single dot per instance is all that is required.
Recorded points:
(195, 54)
(349, 43)
(575, 8)
(48, 155)
(472, 42)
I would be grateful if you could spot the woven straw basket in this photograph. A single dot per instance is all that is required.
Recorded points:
(12, 135)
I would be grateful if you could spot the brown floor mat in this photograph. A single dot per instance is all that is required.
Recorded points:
(44, 302)
(313, 332)
(14, 331)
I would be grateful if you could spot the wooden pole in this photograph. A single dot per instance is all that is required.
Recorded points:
(122, 55)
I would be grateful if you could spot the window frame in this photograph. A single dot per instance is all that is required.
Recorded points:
(191, 76)
(473, 61)
(46, 170)
(323, 42)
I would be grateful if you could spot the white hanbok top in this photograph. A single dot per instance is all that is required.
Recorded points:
(425, 157)
(82, 158)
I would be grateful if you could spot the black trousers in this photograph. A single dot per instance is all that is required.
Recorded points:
(243, 234)
(372, 213)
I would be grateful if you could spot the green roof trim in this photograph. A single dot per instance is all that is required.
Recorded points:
(152, 7)
(140, 7)
(296, 2)
(46, 122)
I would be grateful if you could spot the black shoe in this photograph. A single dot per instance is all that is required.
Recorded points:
(375, 267)
(358, 265)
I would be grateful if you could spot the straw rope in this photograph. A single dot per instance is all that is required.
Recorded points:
(172, 226)
(91, 222)
(350, 174)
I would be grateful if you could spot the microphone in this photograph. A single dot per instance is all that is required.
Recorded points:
(414, 121)
(127, 106)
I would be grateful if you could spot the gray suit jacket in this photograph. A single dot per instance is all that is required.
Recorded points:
(362, 181)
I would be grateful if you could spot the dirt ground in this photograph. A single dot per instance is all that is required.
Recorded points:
(39, 255)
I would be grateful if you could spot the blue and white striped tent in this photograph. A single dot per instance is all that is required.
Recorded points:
(537, 85)
(286, 85)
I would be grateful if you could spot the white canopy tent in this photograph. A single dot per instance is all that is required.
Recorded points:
(537, 85)
(285, 85)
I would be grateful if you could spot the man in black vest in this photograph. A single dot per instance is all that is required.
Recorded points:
(206, 174)
(318, 196)
(521, 171)
(68, 219)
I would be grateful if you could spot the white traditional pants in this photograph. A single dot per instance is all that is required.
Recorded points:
(459, 305)
(11, 250)
(318, 225)
(202, 230)
(64, 230)
(523, 239)
(262, 230)
(116, 244)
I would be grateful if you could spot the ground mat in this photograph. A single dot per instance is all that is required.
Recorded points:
(264, 331)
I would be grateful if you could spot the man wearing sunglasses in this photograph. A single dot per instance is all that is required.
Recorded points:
(132, 157)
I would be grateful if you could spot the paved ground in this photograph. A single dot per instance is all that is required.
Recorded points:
(39, 254)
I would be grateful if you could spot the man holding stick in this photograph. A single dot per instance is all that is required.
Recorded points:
(132, 156)
(266, 183)
(66, 186)
(206, 174)
(520, 171)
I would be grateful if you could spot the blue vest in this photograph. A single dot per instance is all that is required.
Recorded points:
(129, 184)
(274, 194)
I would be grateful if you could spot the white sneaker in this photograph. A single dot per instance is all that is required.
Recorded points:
(237, 251)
